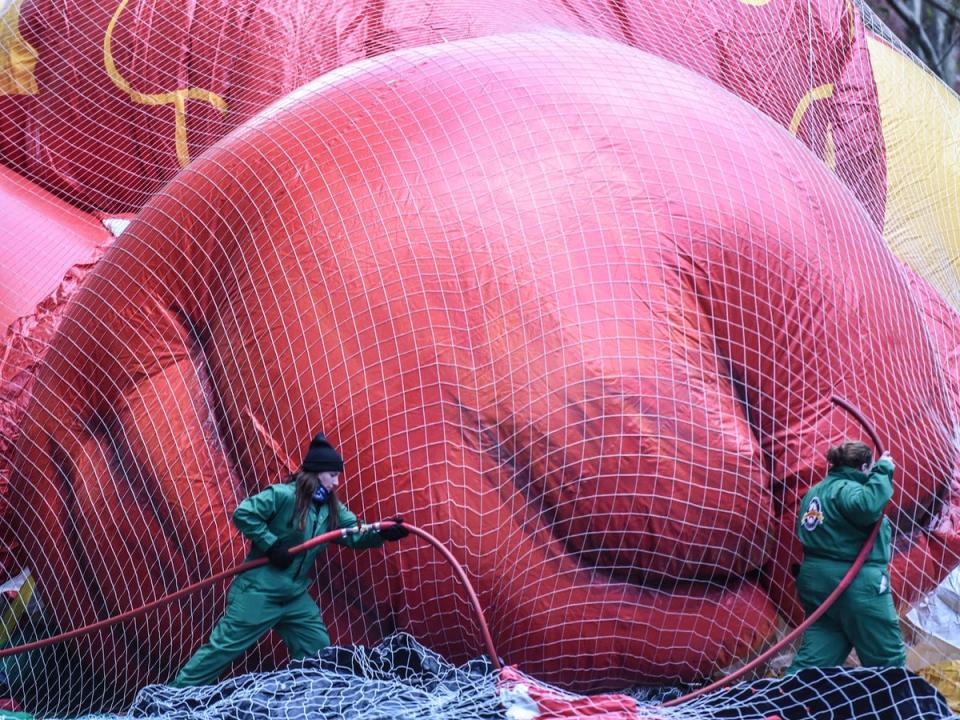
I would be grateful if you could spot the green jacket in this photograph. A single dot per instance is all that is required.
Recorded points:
(838, 513)
(267, 517)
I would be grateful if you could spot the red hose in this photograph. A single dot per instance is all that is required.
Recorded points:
(242, 567)
(827, 603)
(471, 594)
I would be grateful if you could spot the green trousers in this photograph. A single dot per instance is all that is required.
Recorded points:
(863, 617)
(250, 614)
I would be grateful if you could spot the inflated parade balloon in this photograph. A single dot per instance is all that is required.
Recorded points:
(570, 284)
(526, 328)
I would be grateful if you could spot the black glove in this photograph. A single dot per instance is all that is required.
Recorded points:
(394, 532)
(279, 556)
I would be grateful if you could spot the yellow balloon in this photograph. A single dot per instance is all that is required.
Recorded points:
(920, 117)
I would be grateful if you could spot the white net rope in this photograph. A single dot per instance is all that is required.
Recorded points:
(568, 284)
(401, 679)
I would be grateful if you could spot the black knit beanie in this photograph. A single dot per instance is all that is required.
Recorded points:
(321, 457)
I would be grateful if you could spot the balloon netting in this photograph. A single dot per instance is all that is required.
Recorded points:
(571, 285)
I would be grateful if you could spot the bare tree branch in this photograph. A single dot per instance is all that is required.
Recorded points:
(951, 12)
(949, 48)
(916, 26)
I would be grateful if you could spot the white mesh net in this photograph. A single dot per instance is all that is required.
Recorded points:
(570, 285)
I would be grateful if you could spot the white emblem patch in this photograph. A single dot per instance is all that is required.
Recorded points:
(883, 585)
(813, 516)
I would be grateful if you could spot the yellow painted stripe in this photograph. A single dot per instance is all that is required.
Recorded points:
(821, 92)
(177, 98)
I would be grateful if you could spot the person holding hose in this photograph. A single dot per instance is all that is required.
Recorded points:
(835, 519)
(274, 596)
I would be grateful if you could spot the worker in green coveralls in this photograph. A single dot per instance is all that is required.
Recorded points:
(836, 517)
(275, 595)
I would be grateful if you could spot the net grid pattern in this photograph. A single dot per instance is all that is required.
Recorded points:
(565, 287)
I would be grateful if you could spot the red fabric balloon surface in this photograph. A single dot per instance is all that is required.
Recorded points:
(42, 238)
(547, 307)
(113, 97)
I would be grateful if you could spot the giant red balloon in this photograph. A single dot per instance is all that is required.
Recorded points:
(547, 307)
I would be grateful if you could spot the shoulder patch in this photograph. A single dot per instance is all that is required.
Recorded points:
(813, 517)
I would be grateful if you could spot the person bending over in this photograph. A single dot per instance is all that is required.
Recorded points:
(274, 596)
(835, 519)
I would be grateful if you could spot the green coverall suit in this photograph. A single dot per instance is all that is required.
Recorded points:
(836, 517)
(268, 597)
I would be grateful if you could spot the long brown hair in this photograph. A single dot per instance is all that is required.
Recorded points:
(306, 486)
(850, 454)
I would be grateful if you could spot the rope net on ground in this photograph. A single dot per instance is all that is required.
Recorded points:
(401, 679)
